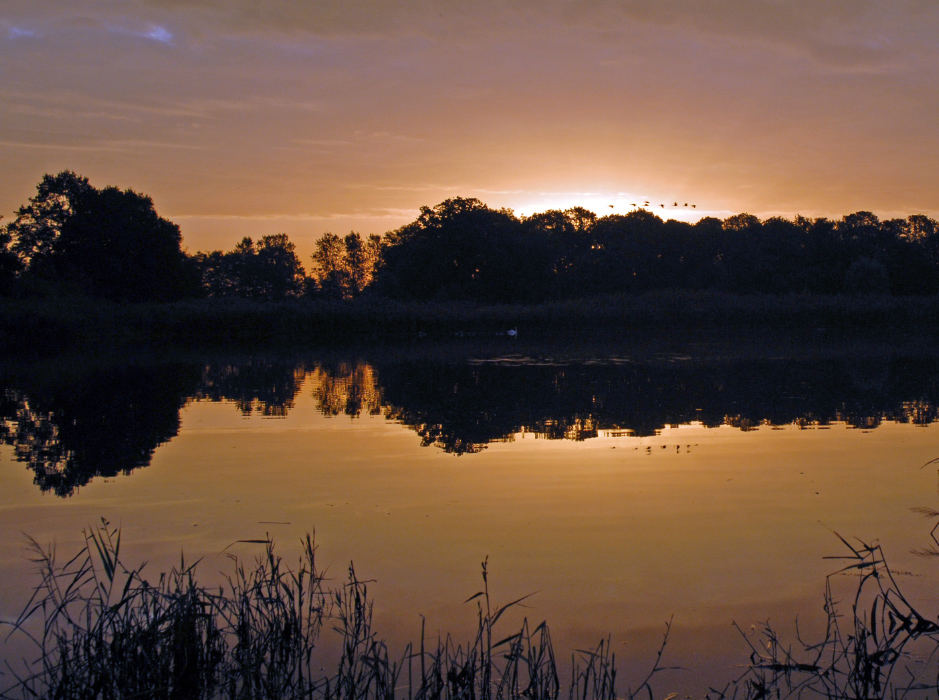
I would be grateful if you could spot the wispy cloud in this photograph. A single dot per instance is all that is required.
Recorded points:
(118, 145)
(14, 32)
(151, 32)
(321, 144)
(158, 33)
(65, 102)
(378, 214)
(404, 188)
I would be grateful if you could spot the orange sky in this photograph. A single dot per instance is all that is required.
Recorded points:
(242, 117)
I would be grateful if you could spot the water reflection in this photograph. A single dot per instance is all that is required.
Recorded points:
(461, 408)
(263, 387)
(70, 425)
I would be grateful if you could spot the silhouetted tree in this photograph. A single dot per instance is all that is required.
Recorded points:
(344, 267)
(269, 269)
(361, 259)
(329, 266)
(9, 262)
(108, 243)
(565, 234)
(278, 272)
(39, 222)
(115, 246)
(460, 249)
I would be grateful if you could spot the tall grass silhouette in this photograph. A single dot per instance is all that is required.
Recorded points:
(100, 629)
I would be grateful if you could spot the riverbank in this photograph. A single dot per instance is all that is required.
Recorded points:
(51, 325)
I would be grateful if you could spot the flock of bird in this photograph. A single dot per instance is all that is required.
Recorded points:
(674, 204)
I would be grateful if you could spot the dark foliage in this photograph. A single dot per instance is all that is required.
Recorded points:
(73, 238)
(344, 267)
(267, 270)
(461, 249)
(107, 243)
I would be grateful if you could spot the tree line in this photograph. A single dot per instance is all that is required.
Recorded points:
(72, 237)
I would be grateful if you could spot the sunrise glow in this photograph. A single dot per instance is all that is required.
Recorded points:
(310, 118)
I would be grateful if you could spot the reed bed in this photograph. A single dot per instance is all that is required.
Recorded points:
(99, 629)
(883, 647)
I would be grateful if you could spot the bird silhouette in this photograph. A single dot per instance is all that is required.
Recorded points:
(611, 206)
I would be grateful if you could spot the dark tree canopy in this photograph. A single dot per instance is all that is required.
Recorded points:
(108, 243)
(460, 249)
(268, 269)
(9, 262)
(39, 222)
(344, 267)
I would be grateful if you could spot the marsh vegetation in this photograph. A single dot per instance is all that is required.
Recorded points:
(98, 628)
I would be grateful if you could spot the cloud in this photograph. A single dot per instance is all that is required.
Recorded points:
(158, 33)
(114, 145)
(837, 32)
(14, 32)
(65, 103)
(377, 214)
(152, 32)
(849, 35)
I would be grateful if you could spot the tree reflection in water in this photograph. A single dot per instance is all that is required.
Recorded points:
(462, 407)
(262, 387)
(70, 425)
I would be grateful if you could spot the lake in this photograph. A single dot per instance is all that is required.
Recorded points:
(622, 483)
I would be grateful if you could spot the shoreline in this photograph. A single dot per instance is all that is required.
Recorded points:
(53, 325)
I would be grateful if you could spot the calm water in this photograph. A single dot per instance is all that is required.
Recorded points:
(623, 485)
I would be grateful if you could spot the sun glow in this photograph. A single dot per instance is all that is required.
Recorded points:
(605, 203)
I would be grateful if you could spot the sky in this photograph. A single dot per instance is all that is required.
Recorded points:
(251, 117)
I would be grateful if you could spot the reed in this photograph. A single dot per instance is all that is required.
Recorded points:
(882, 647)
(101, 630)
